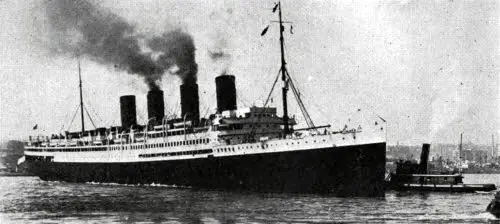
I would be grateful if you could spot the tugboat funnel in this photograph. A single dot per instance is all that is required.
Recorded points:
(424, 157)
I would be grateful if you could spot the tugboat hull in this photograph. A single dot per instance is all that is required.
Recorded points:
(342, 171)
(463, 188)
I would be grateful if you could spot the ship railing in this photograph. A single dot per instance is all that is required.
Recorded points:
(45, 143)
(56, 140)
(139, 139)
(353, 130)
(120, 140)
(343, 131)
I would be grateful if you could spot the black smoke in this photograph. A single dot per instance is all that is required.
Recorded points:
(177, 48)
(79, 28)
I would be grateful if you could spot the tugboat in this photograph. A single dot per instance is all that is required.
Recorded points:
(494, 206)
(233, 148)
(413, 176)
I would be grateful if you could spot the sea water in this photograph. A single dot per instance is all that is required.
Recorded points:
(29, 199)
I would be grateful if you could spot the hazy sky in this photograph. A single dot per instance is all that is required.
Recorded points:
(430, 68)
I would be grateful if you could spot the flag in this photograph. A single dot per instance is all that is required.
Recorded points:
(264, 31)
(381, 118)
(275, 7)
(35, 127)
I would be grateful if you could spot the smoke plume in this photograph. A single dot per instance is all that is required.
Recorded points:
(220, 45)
(176, 49)
(78, 28)
(218, 55)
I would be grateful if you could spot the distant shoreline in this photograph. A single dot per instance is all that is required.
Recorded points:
(10, 174)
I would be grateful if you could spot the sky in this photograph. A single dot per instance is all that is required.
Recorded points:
(429, 68)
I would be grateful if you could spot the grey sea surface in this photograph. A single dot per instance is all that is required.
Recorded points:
(31, 200)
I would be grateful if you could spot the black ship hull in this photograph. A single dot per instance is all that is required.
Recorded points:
(342, 171)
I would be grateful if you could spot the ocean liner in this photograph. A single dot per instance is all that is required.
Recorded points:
(234, 148)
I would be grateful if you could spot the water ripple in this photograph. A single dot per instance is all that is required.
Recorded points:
(30, 200)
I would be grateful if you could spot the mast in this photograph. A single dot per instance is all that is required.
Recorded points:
(81, 97)
(283, 74)
(460, 147)
(493, 152)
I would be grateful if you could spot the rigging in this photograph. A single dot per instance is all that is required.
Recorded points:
(287, 80)
(81, 97)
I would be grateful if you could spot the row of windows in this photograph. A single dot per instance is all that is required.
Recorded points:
(171, 144)
(119, 147)
(232, 149)
(226, 149)
(240, 126)
(40, 158)
(264, 146)
(170, 133)
(75, 149)
(263, 115)
(195, 152)
(157, 145)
